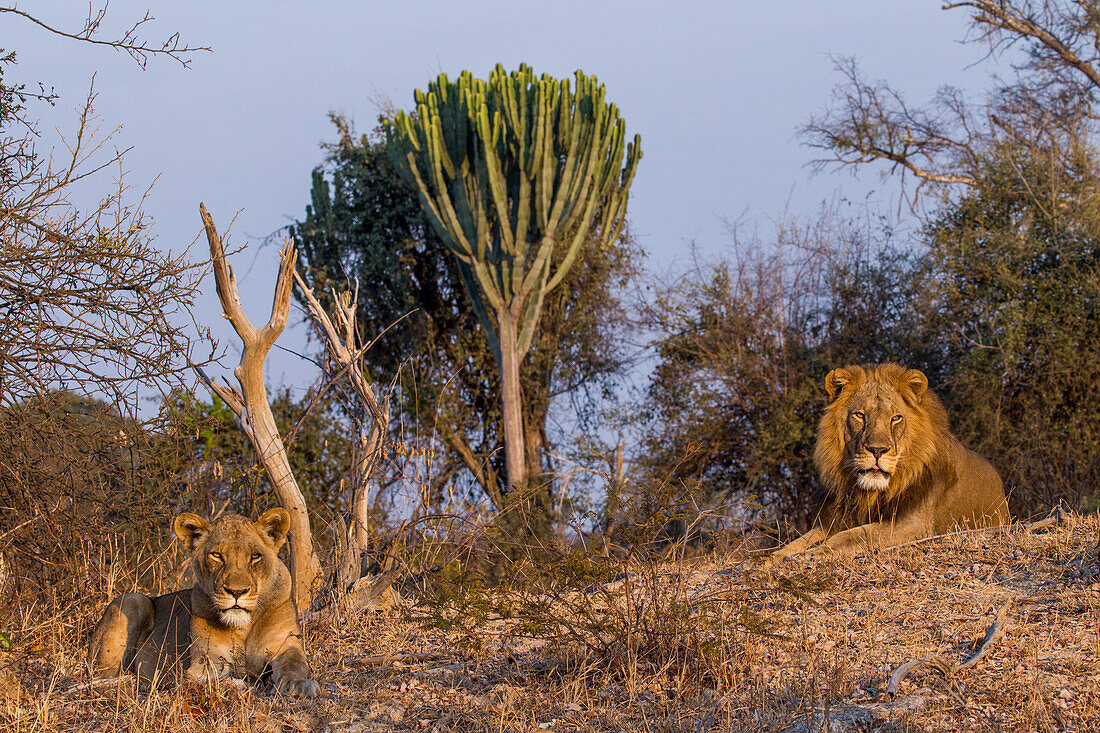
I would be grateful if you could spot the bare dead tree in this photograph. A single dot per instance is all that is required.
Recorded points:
(1051, 100)
(344, 352)
(253, 409)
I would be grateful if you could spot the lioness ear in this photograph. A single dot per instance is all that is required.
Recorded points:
(191, 529)
(275, 523)
(835, 381)
(916, 382)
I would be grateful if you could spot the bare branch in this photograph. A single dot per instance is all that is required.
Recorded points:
(227, 393)
(872, 122)
(1047, 106)
(346, 355)
(992, 634)
(130, 42)
(226, 282)
(1055, 29)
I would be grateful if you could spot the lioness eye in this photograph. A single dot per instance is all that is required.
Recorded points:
(216, 556)
(895, 419)
(256, 556)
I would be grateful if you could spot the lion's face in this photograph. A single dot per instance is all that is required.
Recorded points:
(874, 435)
(236, 561)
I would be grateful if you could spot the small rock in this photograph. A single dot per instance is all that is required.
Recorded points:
(11, 690)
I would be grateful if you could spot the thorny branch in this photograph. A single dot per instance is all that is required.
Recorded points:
(87, 302)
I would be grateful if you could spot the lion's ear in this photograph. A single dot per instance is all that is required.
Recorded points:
(916, 382)
(191, 529)
(835, 381)
(275, 523)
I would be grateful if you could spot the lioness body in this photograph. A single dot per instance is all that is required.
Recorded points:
(894, 470)
(238, 619)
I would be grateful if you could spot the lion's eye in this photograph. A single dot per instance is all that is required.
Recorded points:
(895, 419)
(256, 557)
(216, 556)
(858, 416)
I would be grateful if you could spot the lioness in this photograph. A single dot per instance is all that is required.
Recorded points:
(892, 466)
(237, 620)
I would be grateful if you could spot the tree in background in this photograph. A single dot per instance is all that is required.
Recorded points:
(1010, 294)
(509, 171)
(86, 301)
(1014, 299)
(1055, 49)
(366, 223)
(743, 345)
(88, 306)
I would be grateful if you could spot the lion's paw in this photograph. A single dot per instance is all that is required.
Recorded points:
(298, 687)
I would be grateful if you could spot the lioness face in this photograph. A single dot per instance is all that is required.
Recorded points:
(235, 561)
(876, 430)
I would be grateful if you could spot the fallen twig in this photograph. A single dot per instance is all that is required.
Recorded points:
(441, 670)
(992, 634)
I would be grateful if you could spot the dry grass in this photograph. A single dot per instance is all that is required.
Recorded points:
(711, 645)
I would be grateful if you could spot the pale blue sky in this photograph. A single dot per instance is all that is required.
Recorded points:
(716, 90)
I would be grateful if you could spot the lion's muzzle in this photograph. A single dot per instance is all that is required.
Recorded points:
(235, 604)
(874, 479)
(874, 466)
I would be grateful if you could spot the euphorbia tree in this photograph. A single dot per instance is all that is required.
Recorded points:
(516, 174)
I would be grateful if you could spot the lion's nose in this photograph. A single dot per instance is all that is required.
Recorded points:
(236, 592)
(877, 452)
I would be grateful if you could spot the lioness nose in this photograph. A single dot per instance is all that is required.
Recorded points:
(877, 451)
(236, 592)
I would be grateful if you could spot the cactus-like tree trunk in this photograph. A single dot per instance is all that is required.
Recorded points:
(515, 455)
(515, 175)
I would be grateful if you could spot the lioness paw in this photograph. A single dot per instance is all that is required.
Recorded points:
(297, 687)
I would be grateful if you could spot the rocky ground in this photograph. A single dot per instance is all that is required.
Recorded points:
(713, 644)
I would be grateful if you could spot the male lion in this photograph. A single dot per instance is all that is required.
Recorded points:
(237, 620)
(892, 466)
